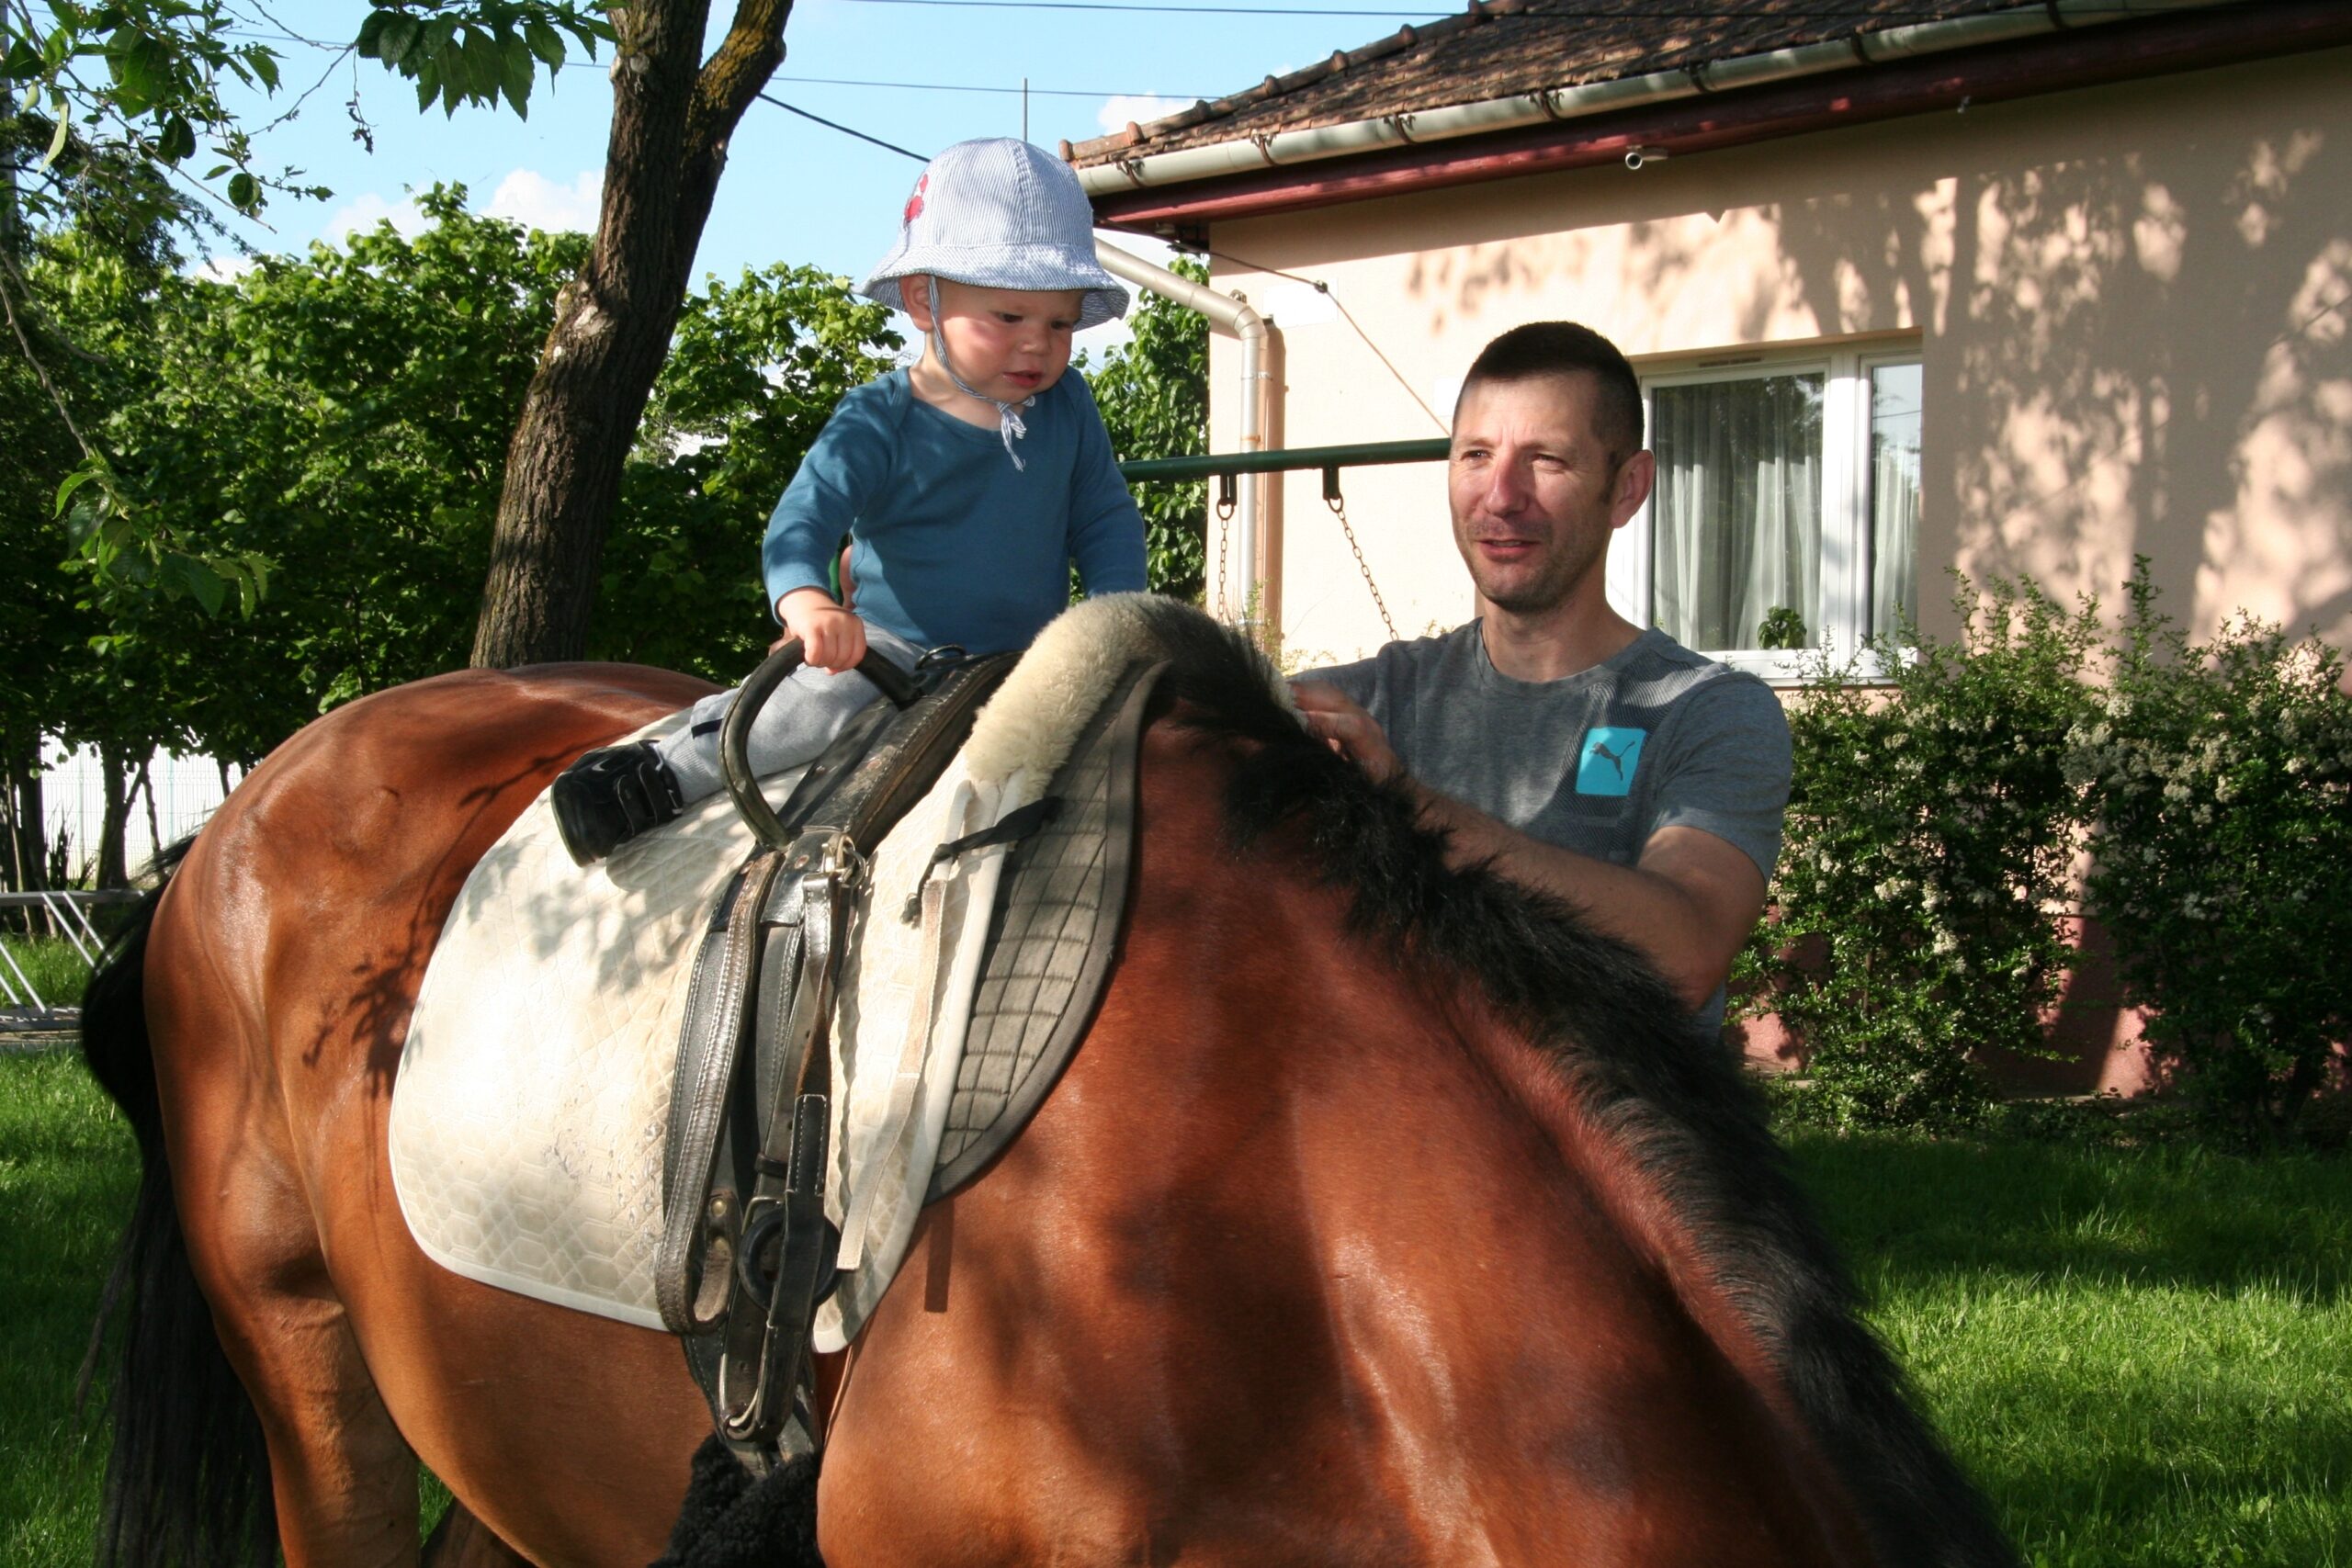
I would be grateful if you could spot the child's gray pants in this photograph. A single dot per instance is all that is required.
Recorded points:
(799, 721)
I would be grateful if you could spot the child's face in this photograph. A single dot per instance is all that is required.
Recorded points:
(1007, 344)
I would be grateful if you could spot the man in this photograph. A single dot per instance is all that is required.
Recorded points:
(1578, 753)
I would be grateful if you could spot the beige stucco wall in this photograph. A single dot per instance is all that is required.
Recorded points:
(2132, 304)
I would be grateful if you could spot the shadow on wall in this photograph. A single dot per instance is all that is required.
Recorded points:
(2141, 345)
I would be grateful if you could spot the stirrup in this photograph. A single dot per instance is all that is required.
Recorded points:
(610, 795)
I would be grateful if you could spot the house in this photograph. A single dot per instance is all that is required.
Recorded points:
(1914, 285)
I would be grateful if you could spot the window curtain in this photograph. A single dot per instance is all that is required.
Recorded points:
(1736, 529)
(1895, 494)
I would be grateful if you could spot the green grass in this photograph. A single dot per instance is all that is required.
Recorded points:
(52, 965)
(67, 1172)
(2144, 1354)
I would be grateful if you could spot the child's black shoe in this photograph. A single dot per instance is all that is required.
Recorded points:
(610, 795)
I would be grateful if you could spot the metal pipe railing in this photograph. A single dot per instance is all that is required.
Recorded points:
(1362, 455)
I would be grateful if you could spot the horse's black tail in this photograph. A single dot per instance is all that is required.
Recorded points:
(187, 1477)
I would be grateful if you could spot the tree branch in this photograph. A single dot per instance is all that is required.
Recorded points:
(738, 67)
(41, 372)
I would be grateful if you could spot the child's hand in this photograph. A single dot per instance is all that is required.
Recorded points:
(830, 638)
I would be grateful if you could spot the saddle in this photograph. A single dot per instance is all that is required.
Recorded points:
(747, 1253)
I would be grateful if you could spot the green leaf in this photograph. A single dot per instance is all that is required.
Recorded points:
(57, 137)
(484, 70)
(192, 576)
(245, 192)
(400, 38)
(545, 42)
(371, 33)
(519, 73)
(428, 85)
(74, 481)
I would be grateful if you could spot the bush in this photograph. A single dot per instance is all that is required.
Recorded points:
(1154, 393)
(1925, 879)
(2221, 779)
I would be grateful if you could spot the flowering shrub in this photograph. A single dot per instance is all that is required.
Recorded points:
(1929, 842)
(2221, 779)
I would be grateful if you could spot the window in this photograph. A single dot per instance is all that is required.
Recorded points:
(1786, 514)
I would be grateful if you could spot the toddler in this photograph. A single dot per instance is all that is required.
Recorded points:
(968, 484)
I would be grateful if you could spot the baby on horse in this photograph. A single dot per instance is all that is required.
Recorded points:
(967, 485)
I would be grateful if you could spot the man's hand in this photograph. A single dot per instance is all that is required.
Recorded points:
(1332, 718)
(1688, 904)
(830, 638)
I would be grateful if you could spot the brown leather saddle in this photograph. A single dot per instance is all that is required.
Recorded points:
(747, 1253)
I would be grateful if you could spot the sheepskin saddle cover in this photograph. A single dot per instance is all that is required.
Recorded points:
(533, 1091)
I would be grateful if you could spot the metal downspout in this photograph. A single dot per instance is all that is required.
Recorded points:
(1235, 320)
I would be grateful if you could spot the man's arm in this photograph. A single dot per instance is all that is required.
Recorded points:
(1687, 904)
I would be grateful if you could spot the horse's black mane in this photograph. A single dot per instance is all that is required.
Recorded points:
(1677, 1100)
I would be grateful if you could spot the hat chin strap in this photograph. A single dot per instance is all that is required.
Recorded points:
(1008, 423)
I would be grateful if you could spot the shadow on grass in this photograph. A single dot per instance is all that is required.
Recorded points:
(1907, 1209)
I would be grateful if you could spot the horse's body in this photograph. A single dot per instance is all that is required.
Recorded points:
(1344, 1240)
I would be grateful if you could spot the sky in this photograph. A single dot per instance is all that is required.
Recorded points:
(793, 191)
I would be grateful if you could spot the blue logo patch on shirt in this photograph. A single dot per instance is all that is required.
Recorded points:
(1610, 755)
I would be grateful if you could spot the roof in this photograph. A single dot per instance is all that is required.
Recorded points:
(1501, 48)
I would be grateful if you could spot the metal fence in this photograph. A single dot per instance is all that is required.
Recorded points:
(170, 800)
(24, 1010)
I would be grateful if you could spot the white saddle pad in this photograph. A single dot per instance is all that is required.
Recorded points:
(534, 1088)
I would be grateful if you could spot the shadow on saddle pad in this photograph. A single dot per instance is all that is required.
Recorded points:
(710, 1084)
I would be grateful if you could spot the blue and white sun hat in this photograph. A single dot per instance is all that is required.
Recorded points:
(998, 213)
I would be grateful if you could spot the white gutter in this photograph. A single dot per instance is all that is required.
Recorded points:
(1286, 147)
(1235, 320)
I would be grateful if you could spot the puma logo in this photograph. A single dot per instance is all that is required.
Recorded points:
(1620, 746)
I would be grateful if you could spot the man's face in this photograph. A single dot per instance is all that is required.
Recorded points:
(1533, 489)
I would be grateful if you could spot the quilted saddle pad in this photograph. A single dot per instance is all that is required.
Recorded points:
(534, 1088)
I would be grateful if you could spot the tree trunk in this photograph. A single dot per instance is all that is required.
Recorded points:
(671, 124)
(23, 834)
(114, 780)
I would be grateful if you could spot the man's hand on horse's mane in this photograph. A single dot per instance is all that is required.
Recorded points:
(1688, 903)
(1336, 720)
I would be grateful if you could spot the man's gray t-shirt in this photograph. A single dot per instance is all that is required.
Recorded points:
(1653, 737)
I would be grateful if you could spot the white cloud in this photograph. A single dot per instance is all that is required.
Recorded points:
(361, 214)
(536, 202)
(1115, 112)
(225, 269)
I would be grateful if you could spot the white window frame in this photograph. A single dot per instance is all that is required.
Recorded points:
(1845, 501)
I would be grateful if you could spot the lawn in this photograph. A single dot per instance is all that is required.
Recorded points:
(2144, 1354)
(56, 968)
(67, 1171)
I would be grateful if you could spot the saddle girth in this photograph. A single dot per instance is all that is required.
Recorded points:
(746, 1252)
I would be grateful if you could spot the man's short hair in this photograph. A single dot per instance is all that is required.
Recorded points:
(1566, 348)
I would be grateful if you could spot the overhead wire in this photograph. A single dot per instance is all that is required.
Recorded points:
(1346, 315)
(845, 130)
(969, 88)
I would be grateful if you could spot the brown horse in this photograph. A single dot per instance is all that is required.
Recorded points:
(1386, 1215)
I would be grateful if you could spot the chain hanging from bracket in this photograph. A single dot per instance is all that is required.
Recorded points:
(1339, 505)
(1228, 498)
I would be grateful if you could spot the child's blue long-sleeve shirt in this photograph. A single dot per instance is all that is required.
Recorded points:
(950, 542)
